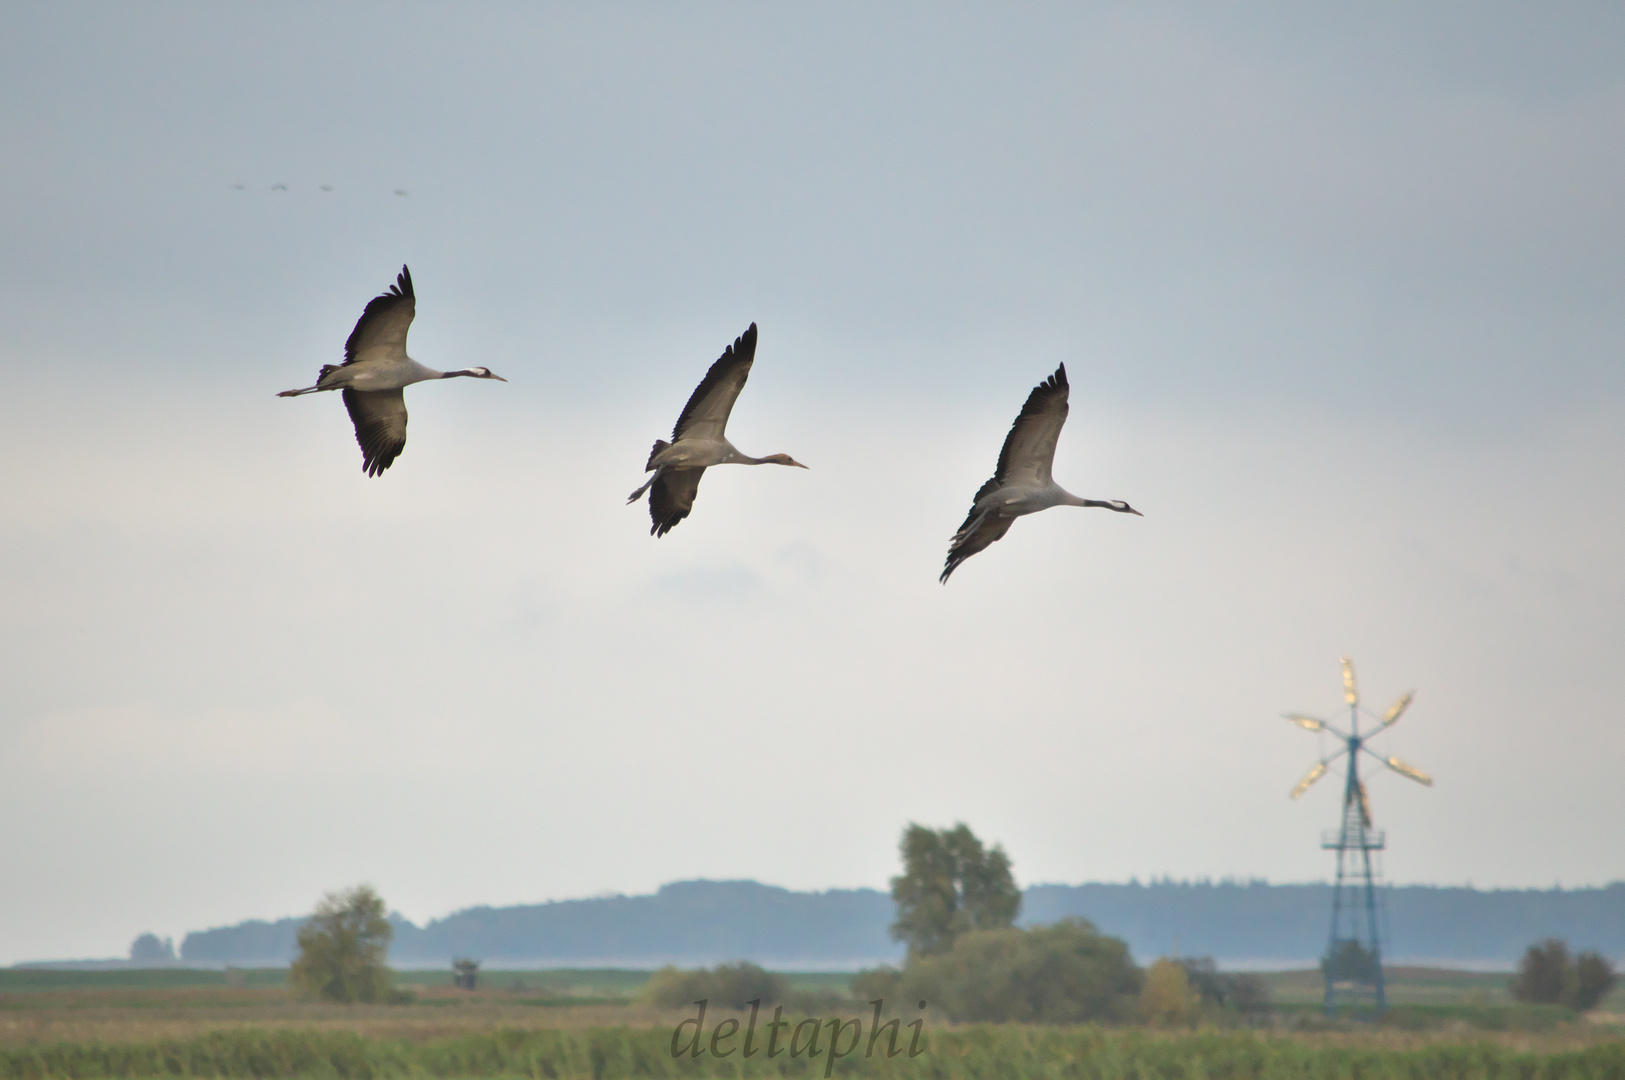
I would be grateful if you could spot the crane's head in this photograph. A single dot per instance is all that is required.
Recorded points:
(1122, 507)
(782, 459)
(485, 373)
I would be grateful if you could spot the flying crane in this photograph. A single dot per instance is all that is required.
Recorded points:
(1022, 483)
(376, 370)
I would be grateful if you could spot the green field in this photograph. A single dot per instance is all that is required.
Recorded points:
(564, 982)
(1405, 985)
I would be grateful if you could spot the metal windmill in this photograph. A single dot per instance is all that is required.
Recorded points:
(1353, 961)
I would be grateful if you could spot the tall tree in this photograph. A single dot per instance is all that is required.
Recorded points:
(342, 948)
(950, 884)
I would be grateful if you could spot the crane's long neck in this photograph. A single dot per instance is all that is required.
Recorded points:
(1069, 499)
(416, 372)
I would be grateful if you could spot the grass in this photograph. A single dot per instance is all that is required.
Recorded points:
(551, 983)
(1419, 986)
(19, 980)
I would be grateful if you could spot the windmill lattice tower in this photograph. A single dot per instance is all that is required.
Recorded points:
(1353, 961)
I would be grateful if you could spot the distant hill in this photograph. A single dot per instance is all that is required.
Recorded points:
(684, 923)
(706, 922)
(1256, 921)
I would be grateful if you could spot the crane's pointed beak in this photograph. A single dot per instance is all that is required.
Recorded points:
(497, 377)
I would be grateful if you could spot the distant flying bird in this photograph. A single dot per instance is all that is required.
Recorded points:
(1022, 482)
(239, 187)
(376, 370)
(279, 187)
(401, 192)
(697, 442)
(327, 187)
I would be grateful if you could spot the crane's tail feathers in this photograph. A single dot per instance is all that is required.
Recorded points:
(327, 369)
(660, 444)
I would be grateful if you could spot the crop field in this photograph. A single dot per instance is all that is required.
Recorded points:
(589, 1052)
(561, 1025)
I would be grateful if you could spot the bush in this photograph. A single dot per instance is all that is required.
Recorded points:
(1167, 998)
(342, 947)
(1548, 975)
(1241, 992)
(1067, 973)
(1593, 979)
(149, 948)
(727, 986)
(1349, 961)
(883, 982)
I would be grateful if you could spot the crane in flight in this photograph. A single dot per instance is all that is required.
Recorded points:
(1022, 483)
(698, 442)
(376, 370)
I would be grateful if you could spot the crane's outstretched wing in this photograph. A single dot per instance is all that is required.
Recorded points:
(381, 330)
(671, 498)
(380, 426)
(706, 414)
(1029, 449)
(975, 535)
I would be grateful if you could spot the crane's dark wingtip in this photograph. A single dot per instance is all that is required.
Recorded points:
(403, 283)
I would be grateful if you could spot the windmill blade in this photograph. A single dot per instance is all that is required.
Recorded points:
(1308, 723)
(1410, 771)
(1309, 778)
(1397, 709)
(1350, 694)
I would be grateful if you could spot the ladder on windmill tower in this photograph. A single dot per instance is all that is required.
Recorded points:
(1352, 965)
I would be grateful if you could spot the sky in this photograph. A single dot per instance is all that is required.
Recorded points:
(1339, 297)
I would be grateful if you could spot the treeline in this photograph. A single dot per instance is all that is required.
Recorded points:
(696, 923)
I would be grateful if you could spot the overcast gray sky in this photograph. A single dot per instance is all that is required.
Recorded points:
(1339, 295)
